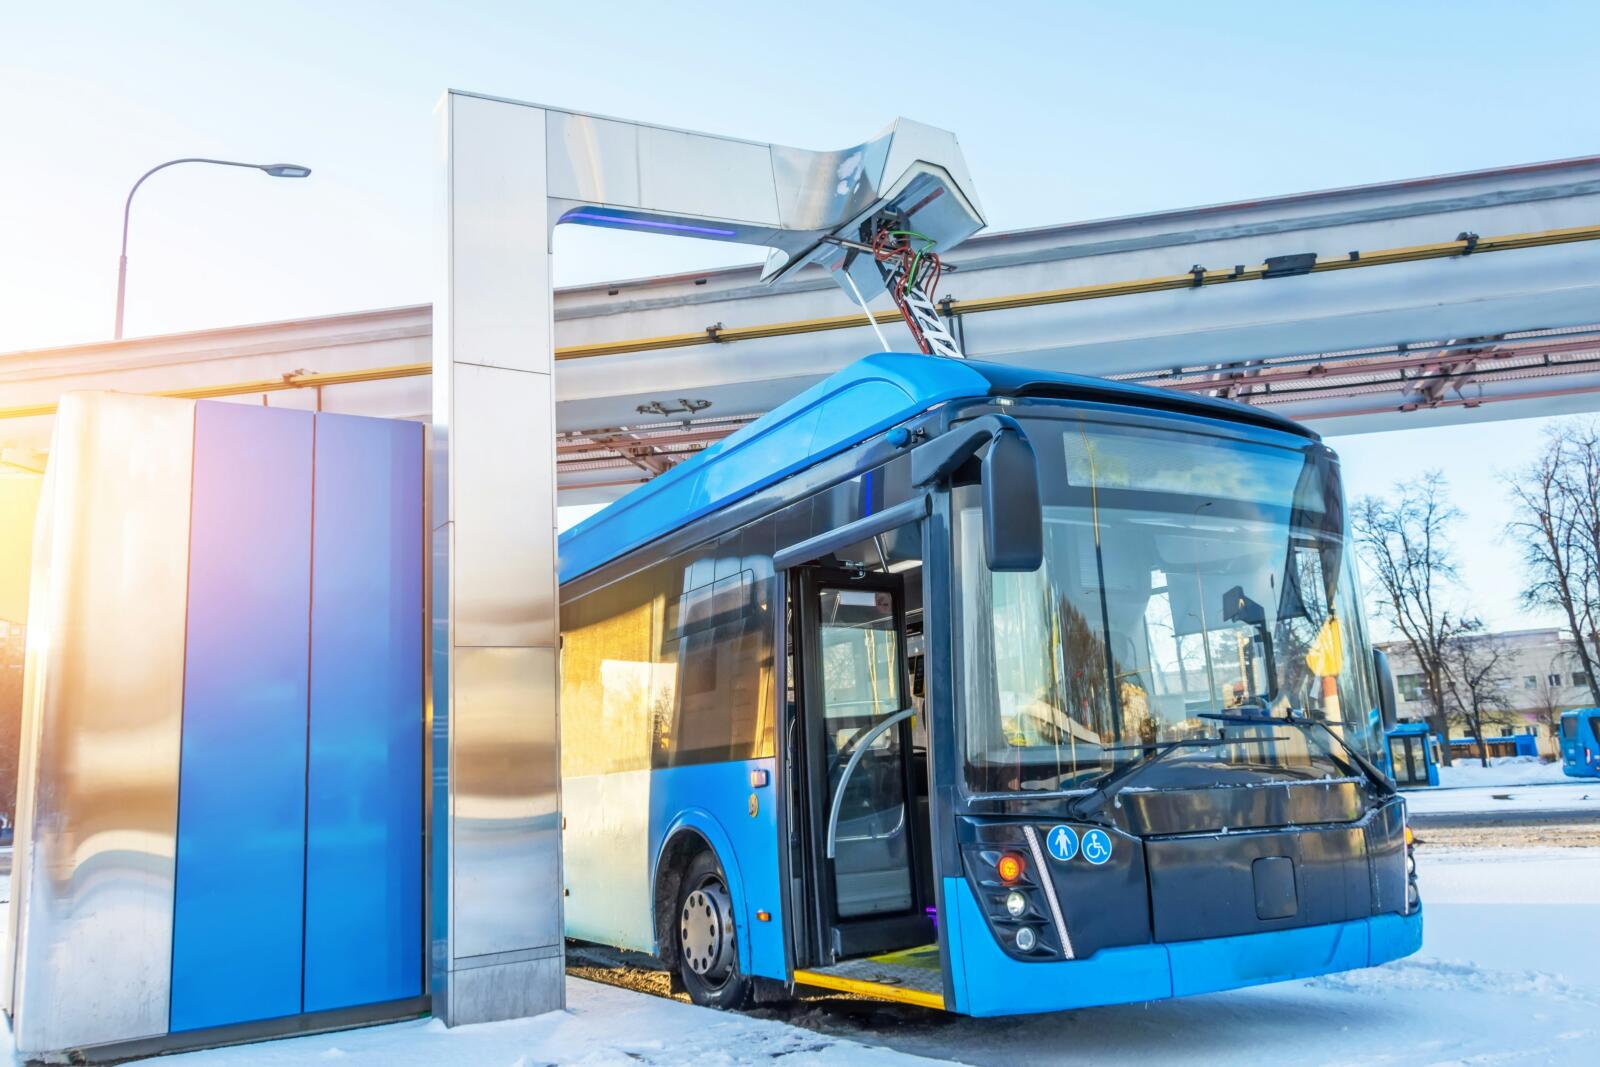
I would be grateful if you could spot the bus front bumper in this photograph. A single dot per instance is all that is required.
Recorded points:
(988, 982)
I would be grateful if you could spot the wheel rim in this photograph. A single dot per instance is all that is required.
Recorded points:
(705, 932)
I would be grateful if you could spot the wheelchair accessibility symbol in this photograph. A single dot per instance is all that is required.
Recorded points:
(1096, 846)
(1062, 841)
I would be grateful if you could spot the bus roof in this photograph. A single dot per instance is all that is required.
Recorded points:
(863, 399)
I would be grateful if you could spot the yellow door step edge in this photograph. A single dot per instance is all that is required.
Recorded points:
(876, 990)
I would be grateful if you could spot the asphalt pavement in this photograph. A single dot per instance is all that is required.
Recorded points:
(1542, 817)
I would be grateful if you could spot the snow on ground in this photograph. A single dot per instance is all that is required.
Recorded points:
(602, 1025)
(1509, 974)
(1513, 783)
(1502, 770)
(1578, 796)
(1512, 877)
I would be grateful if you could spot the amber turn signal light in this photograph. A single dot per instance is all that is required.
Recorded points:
(1010, 866)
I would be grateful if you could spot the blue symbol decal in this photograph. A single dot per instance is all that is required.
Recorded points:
(1097, 847)
(1062, 842)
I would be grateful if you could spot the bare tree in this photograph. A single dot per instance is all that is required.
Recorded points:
(1407, 547)
(1557, 498)
(1477, 670)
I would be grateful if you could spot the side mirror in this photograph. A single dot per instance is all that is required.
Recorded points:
(1388, 708)
(1013, 520)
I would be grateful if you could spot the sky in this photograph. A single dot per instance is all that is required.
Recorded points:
(1065, 112)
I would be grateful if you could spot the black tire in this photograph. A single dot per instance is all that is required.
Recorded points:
(708, 947)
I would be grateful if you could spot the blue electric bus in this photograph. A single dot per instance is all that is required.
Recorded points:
(984, 688)
(1580, 742)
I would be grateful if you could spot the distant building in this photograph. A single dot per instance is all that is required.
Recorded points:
(1542, 677)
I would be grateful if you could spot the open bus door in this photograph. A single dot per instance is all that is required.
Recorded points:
(865, 891)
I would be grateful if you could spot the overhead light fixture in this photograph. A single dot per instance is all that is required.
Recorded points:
(597, 219)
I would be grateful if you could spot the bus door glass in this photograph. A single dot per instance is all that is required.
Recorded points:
(1407, 756)
(859, 686)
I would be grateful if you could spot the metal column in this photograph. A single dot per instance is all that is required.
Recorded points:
(496, 887)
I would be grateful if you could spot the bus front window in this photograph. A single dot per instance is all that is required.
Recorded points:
(1186, 576)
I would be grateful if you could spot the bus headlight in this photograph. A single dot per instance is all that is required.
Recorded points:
(1012, 886)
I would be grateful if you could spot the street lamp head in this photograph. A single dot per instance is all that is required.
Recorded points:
(277, 170)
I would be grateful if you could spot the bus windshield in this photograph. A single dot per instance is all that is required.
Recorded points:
(1192, 583)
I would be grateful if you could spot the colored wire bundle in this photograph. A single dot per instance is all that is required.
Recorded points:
(915, 267)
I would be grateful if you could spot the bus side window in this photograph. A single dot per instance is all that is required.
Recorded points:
(722, 645)
(608, 675)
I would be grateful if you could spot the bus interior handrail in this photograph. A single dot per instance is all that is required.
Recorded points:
(862, 745)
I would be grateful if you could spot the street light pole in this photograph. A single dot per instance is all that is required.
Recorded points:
(276, 170)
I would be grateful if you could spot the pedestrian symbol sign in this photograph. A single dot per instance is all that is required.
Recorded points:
(1097, 846)
(1062, 842)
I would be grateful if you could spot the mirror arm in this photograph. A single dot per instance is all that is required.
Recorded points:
(1013, 535)
(940, 457)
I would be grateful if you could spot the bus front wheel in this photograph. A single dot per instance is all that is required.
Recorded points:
(708, 949)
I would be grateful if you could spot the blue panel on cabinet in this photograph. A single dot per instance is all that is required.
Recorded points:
(238, 913)
(364, 935)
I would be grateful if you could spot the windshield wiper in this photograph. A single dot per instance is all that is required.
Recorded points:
(1379, 779)
(1239, 720)
(1093, 803)
(1300, 718)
